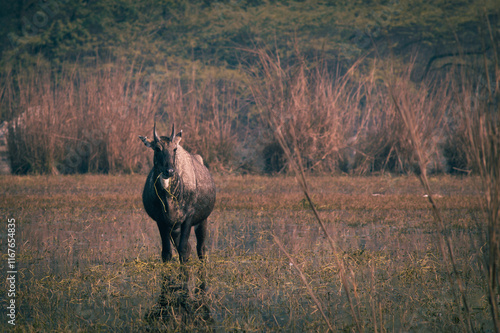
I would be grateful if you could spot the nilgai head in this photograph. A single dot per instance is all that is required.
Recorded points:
(165, 148)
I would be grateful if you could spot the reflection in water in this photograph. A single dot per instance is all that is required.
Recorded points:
(177, 304)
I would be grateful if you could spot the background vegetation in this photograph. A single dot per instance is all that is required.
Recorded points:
(89, 76)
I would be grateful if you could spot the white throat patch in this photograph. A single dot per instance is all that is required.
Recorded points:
(165, 182)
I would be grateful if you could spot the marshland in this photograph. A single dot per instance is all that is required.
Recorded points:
(89, 256)
(355, 149)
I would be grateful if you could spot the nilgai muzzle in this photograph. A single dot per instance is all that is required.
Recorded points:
(179, 194)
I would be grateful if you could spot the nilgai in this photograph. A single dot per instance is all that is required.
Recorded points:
(179, 194)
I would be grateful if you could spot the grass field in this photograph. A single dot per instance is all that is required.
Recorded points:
(88, 257)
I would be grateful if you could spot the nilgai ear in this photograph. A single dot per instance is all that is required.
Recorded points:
(148, 143)
(178, 138)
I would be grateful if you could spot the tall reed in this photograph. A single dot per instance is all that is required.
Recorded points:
(421, 109)
(305, 112)
(206, 108)
(317, 110)
(88, 121)
(478, 111)
(73, 121)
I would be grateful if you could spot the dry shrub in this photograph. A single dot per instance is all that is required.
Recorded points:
(89, 121)
(317, 111)
(206, 110)
(385, 141)
(35, 137)
(381, 144)
(454, 149)
(79, 122)
(345, 122)
(112, 108)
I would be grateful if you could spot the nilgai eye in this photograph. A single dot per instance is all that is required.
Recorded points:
(158, 149)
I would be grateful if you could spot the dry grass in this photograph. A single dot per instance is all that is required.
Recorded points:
(317, 110)
(478, 112)
(78, 121)
(89, 256)
(206, 109)
(421, 109)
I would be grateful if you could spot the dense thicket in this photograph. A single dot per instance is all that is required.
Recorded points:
(199, 63)
(160, 34)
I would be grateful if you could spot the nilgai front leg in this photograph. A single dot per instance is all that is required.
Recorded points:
(183, 246)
